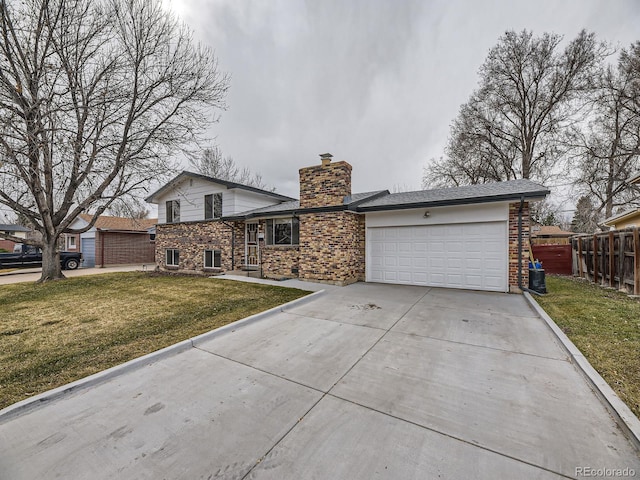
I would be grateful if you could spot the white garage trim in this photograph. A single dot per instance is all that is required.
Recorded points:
(462, 255)
(462, 246)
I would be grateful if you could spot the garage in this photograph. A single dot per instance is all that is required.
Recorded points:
(464, 255)
(88, 249)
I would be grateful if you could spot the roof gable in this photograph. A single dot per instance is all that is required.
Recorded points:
(230, 185)
(624, 216)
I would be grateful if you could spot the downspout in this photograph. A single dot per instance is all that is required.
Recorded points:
(233, 244)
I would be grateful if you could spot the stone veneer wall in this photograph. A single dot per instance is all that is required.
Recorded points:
(193, 238)
(325, 185)
(513, 246)
(280, 261)
(332, 247)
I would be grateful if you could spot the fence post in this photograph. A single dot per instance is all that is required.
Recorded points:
(621, 247)
(611, 259)
(595, 259)
(636, 262)
(579, 240)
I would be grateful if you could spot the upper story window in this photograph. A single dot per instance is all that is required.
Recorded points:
(173, 211)
(212, 206)
(283, 231)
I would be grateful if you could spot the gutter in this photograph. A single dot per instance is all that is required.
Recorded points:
(457, 201)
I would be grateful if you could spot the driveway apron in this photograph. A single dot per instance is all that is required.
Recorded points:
(366, 381)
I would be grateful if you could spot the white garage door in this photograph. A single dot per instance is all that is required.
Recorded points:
(88, 249)
(468, 255)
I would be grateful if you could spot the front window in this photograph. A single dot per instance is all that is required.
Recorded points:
(71, 243)
(212, 206)
(283, 231)
(173, 211)
(173, 257)
(212, 259)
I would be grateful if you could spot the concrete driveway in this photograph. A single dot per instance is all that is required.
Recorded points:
(366, 381)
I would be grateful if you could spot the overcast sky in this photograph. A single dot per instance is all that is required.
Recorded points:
(374, 82)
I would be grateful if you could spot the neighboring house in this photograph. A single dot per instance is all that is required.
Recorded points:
(465, 237)
(14, 230)
(112, 241)
(628, 218)
(549, 234)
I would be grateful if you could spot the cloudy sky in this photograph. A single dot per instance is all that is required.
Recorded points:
(374, 82)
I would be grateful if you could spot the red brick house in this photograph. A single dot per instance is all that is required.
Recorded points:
(113, 241)
(465, 237)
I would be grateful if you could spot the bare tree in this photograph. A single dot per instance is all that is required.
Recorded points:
(95, 98)
(546, 212)
(609, 149)
(134, 210)
(212, 163)
(512, 125)
(586, 218)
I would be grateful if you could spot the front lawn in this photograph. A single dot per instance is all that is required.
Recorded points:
(605, 326)
(56, 333)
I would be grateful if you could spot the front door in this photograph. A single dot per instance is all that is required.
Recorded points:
(251, 249)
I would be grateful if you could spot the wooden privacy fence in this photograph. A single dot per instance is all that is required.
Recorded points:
(610, 259)
(554, 258)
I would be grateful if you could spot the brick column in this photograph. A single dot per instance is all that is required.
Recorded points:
(513, 246)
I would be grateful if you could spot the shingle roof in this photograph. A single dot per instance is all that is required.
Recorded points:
(487, 192)
(226, 183)
(619, 216)
(553, 230)
(279, 208)
(292, 206)
(105, 222)
(359, 197)
(5, 227)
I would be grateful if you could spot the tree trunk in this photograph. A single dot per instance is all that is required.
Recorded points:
(51, 269)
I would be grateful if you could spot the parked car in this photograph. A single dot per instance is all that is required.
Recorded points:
(26, 256)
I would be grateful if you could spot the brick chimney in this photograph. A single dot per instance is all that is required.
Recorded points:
(326, 184)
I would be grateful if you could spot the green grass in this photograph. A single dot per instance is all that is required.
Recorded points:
(58, 332)
(605, 326)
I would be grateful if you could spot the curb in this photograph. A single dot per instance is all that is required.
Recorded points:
(43, 399)
(625, 418)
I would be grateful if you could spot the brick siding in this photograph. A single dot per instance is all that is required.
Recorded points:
(513, 246)
(193, 238)
(332, 247)
(123, 248)
(325, 185)
(279, 261)
(7, 245)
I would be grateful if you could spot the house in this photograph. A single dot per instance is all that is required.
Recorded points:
(13, 230)
(112, 240)
(628, 218)
(549, 234)
(465, 237)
